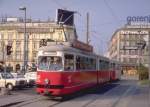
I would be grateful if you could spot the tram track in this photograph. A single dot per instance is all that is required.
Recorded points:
(53, 103)
(31, 103)
(101, 97)
(36, 101)
(129, 91)
(122, 92)
(95, 96)
(75, 100)
(112, 95)
(116, 102)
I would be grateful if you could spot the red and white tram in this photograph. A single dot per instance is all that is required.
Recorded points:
(64, 70)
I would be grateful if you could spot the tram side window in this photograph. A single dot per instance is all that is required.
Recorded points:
(112, 66)
(85, 63)
(117, 67)
(93, 64)
(78, 63)
(103, 65)
(106, 65)
(69, 62)
(100, 65)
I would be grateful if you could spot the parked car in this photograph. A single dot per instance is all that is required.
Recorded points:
(9, 81)
(31, 78)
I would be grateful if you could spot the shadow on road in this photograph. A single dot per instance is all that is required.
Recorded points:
(98, 90)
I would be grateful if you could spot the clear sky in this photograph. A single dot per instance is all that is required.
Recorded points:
(105, 15)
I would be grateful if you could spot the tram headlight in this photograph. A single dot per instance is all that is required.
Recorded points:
(46, 81)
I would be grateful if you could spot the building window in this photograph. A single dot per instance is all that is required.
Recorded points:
(10, 57)
(33, 36)
(42, 36)
(34, 45)
(1, 36)
(10, 36)
(18, 45)
(121, 59)
(136, 52)
(121, 51)
(127, 43)
(121, 44)
(126, 52)
(133, 37)
(122, 37)
(18, 55)
(127, 37)
(1, 46)
(60, 38)
(18, 36)
(34, 54)
(46, 36)
(132, 60)
(138, 37)
(125, 60)
(132, 52)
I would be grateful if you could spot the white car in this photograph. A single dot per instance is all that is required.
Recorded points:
(8, 80)
(31, 78)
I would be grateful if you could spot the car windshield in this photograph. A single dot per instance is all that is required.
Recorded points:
(50, 63)
(7, 75)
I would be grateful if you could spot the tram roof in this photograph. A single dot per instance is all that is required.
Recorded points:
(60, 47)
(63, 48)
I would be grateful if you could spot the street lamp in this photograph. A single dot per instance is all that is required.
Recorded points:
(25, 41)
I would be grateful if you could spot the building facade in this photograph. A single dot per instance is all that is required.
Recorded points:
(129, 45)
(12, 33)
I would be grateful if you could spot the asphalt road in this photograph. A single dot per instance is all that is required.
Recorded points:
(124, 93)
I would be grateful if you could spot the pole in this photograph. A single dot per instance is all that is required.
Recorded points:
(25, 50)
(140, 53)
(87, 28)
(4, 59)
(149, 53)
(3, 50)
(25, 43)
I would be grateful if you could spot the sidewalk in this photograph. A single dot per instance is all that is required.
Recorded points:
(141, 97)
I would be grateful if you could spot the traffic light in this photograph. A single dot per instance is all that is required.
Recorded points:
(8, 50)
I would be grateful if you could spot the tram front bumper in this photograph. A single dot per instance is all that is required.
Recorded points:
(49, 89)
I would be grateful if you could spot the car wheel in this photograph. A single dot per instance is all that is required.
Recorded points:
(10, 86)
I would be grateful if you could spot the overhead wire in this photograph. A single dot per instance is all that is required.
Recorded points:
(59, 4)
(111, 11)
(96, 33)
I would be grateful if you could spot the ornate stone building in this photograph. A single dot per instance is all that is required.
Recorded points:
(12, 33)
(129, 45)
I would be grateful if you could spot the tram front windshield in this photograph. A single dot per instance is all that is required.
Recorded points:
(50, 63)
